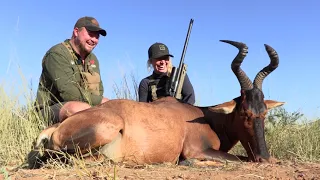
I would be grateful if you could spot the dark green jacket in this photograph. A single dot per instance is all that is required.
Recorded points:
(60, 80)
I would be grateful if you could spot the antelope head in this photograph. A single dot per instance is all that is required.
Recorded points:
(251, 108)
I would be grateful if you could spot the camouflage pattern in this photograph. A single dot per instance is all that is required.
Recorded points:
(65, 78)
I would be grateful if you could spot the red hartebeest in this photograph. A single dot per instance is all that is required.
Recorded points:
(167, 130)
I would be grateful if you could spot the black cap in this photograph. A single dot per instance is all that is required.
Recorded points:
(90, 24)
(158, 50)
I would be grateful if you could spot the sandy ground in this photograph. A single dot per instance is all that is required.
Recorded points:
(281, 170)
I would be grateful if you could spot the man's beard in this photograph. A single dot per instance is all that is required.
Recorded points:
(82, 48)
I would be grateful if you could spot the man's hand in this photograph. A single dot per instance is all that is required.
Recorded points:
(104, 99)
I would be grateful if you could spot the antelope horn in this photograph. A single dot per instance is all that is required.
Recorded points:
(274, 62)
(243, 79)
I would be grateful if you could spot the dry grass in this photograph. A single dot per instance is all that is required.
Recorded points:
(289, 136)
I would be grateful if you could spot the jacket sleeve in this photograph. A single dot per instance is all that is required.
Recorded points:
(188, 95)
(63, 77)
(143, 90)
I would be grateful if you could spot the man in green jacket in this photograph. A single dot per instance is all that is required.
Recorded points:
(70, 80)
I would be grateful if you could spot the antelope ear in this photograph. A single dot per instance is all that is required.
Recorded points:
(224, 108)
(272, 104)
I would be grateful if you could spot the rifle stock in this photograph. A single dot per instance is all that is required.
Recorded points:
(178, 74)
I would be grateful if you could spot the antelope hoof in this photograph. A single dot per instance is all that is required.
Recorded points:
(187, 162)
(273, 160)
(270, 160)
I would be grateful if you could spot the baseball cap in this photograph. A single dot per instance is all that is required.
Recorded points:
(90, 24)
(158, 50)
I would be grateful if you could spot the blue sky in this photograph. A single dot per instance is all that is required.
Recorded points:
(30, 28)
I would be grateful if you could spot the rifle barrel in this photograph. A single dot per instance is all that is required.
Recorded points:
(184, 52)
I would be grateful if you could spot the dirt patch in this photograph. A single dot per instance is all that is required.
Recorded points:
(283, 170)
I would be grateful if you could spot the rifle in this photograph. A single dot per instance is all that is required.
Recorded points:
(177, 75)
